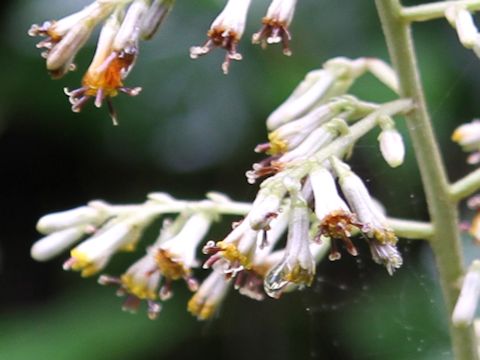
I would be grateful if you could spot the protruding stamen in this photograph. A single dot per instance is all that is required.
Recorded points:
(154, 309)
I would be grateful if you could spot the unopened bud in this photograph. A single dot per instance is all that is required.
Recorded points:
(310, 91)
(64, 219)
(464, 312)
(392, 147)
(462, 20)
(55, 243)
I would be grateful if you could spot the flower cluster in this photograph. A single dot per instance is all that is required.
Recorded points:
(228, 27)
(125, 23)
(319, 110)
(110, 229)
(310, 194)
(310, 132)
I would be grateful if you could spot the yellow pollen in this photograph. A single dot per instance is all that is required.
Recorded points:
(200, 309)
(83, 263)
(458, 135)
(385, 236)
(232, 254)
(130, 247)
(137, 288)
(134, 238)
(277, 144)
(169, 267)
(299, 275)
(338, 224)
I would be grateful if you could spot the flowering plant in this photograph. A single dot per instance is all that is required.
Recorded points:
(307, 188)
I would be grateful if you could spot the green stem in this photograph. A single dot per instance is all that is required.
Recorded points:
(443, 211)
(466, 186)
(410, 229)
(435, 10)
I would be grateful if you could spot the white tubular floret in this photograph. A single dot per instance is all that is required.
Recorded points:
(468, 135)
(61, 57)
(464, 312)
(359, 198)
(129, 32)
(264, 209)
(93, 254)
(282, 11)
(93, 214)
(327, 198)
(462, 20)
(183, 246)
(55, 243)
(206, 301)
(297, 266)
(308, 93)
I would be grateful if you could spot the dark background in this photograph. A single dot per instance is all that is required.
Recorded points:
(190, 131)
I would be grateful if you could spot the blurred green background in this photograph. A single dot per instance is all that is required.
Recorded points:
(192, 130)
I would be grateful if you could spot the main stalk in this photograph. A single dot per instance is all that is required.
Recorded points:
(443, 210)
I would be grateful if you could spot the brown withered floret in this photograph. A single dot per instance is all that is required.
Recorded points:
(339, 225)
(273, 31)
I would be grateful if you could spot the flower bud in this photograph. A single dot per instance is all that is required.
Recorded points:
(55, 243)
(308, 93)
(392, 147)
(462, 20)
(82, 215)
(464, 312)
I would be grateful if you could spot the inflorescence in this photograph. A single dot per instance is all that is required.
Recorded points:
(125, 24)
(307, 191)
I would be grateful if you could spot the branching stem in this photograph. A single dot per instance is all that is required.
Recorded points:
(466, 186)
(411, 229)
(443, 210)
(435, 10)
